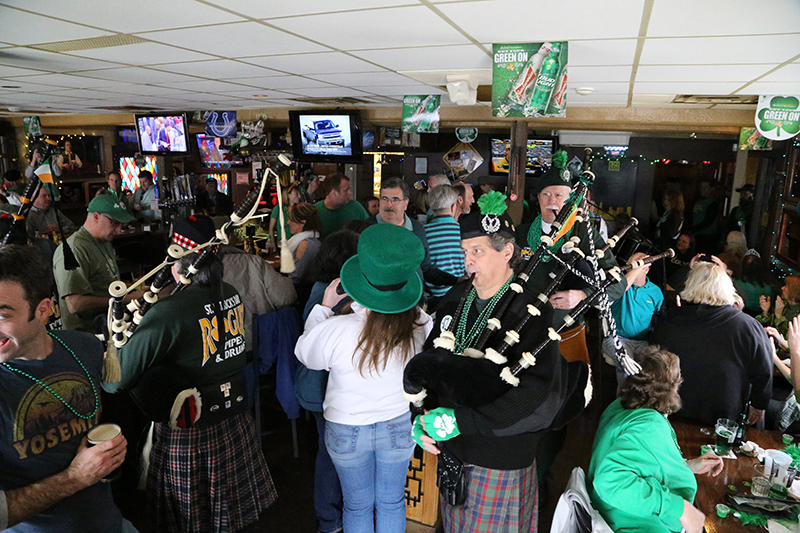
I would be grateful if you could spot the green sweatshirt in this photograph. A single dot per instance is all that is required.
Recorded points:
(637, 478)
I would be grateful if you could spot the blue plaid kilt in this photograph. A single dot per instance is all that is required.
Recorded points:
(211, 478)
(498, 501)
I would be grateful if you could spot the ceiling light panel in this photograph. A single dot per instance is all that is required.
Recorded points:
(366, 30)
(429, 58)
(769, 49)
(490, 21)
(142, 54)
(731, 17)
(234, 40)
(324, 63)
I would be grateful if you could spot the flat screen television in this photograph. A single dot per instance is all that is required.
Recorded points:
(161, 134)
(540, 153)
(214, 154)
(331, 136)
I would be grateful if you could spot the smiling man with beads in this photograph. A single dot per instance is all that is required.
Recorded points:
(50, 398)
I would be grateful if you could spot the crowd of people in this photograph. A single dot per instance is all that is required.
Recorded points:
(384, 285)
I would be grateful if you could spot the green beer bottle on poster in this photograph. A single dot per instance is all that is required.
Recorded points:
(545, 83)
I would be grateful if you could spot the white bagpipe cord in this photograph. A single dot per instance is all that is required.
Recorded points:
(287, 259)
(630, 366)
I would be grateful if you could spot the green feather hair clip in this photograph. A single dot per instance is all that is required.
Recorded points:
(492, 203)
(560, 159)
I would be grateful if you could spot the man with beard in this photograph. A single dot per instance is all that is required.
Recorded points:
(465, 199)
(393, 205)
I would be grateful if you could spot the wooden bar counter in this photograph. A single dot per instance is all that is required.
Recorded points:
(712, 490)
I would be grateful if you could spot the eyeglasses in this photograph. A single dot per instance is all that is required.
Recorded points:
(392, 199)
(114, 223)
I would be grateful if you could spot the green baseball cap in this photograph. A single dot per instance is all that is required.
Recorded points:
(108, 204)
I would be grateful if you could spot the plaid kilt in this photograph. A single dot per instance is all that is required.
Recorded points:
(211, 478)
(498, 501)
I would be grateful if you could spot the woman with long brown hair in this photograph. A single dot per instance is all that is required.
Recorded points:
(368, 424)
(669, 226)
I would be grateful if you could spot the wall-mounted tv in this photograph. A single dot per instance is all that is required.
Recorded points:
(540, 153)
(161, 134)
(214, 154)
(332, 136)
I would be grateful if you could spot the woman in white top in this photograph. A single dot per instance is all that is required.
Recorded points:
(368, 424)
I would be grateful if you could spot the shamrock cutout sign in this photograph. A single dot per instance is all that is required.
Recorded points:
(778, 117)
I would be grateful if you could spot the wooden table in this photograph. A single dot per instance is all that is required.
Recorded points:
(712, 490)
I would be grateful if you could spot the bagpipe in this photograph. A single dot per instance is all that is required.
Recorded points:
(441, 377)
(123, 318)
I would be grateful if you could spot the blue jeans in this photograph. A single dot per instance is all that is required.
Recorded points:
(327, 490)
(372, 462)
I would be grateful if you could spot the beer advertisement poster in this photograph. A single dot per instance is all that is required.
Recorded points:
(530, 80)
(751, 139)
(778, 116)
(421, 113)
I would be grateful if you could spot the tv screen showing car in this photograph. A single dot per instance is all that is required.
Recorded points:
(162, 134)
(329, 136)
(539, 153)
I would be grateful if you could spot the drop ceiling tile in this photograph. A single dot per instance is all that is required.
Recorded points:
(772, 87)
(132, 17)
(231, 40)
(766, 50)
(136, 75)
(696, 73)
(372, 79)
(674, 18)
(602, 52)
(402, 90)
(64, 81)
(281, 82)
(265, 10)
(601, 87)
(217, 69)
(429, 58)
(324, 63)
(6, 71)
(86, 94)
(141, 90)
(686, 88)
(18, 27)
(523, 21)
(790, 73)
(328, 92)
(48, 61)
(590, 75)
(141, 54)
(203, 85)
(365, 30)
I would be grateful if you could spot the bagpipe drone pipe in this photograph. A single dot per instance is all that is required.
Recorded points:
(124, 318)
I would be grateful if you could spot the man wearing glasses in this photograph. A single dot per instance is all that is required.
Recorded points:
(84, 290)
(392, 210)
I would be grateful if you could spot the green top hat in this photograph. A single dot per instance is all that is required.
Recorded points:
(557, 174)
(382, 276)
(108, 204)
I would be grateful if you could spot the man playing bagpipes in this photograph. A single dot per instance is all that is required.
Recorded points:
(485, 429)
(183, 366)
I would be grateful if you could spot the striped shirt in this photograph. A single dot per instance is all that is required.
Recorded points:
(444, 240)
